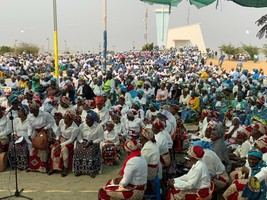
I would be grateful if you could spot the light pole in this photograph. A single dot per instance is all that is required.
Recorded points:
(48, 45)
(15, 46)
(105, 36)
(55, 37)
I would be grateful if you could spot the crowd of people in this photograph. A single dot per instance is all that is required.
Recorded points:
(138, 106)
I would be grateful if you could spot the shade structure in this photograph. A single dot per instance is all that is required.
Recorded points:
(163, 2)
(252, 3)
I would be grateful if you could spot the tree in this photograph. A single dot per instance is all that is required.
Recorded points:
(229, 50)
(263, 31)
(251, 50)
(27, 48)
(264, 50)
(148, 47)
(6, 49)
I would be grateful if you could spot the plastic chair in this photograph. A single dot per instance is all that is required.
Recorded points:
(210, 195)
(155, 194)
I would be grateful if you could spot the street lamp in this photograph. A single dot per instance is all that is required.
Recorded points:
(15, 46)
(105, 36)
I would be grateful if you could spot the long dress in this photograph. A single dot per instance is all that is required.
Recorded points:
(40, 125)
(22, 150)
(87, 160)
(63, 156)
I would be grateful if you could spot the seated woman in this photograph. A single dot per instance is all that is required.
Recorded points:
(195, 183)
(62, 149)
(110, 145)
(192, 108)
(21, 140)
(217, 138)
(87, 154)
(133, 177)
(150, 151)
(5, 130)
(235, 190)
(231, 134)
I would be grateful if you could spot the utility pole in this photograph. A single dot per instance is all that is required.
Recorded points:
(55, 37)
(105, 36)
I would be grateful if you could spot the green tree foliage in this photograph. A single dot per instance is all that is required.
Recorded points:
(27, 48)
(148, 47)
(6, 49)
(251, 50)
(229, 50)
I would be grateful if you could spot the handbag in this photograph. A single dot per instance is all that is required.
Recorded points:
(40, 141)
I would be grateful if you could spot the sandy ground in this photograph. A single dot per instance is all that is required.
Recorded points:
(43, 187)
(250, 65)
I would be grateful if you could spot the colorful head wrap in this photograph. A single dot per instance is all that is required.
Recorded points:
(244, 132)
(24, 109)
(35, 104)
(141, 92)
(99, 100)
(115, 111)
(147, 83)
(202, 143)
(77, 119)
(260, 100)
(69, 114)
(256, 153)
(137, 103)
(13, 98)
(196, 152)
(131, 113)
(91, 114)
(90, 103)
(65, 100)
(159, 124)
(148, 134)
(131, 145)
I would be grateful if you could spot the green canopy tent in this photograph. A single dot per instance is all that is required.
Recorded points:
(252, 3)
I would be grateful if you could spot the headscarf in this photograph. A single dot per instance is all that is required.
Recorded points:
(147, 83)
(91, 114)
(202, 143)
(260, 100)
(260, 127)
(255, 153)
(196, 152)
(148, 134)
(65, 100)
(131, 113)
(115, 111)
(24, 109)
(99, 100)
(90, 103)
(137, 103)
(70, 114)
(131, 145)
(13, 98)
(35, 104)
(159, 124)
(262, 144)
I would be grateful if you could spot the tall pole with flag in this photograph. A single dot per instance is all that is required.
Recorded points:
(55, 37)
(105, 37)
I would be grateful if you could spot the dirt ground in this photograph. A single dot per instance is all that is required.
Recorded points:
(43, 187)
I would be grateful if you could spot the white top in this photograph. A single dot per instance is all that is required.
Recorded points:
(64, 110)
(148, 93)
(150, 152)
(94, 133)
(162, 142)
(103, 115)
(118, 128)
(203, 127)
(70, 133)
(198, 177)
(150, 114)
(242, 150)
(21, 128)
(183, 100)
(134, 125)
(43, 120)
(135, 172)
(112, 137)
(170, 141)
(234, 135)
(98, 91)
(5, 127)
(213, 162)
(12, 84)
(262, 174)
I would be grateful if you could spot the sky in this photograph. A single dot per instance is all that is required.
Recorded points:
(80, 23)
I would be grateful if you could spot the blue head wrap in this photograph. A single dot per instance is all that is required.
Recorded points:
(256, 153)
(141, 92)
(92, 115)
(202, 143)
(24, 109)
(53, 79)
(12, 98)
(137, 103)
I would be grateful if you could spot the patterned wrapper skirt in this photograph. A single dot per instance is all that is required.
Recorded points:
(165, 160)
(22, 154)
(132, 193)
(109, 154)
(234, 191)
(152, 172)
(62, 157)
(87, 160)
(175, 194)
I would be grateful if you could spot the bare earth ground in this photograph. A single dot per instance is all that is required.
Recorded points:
(43, 187)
